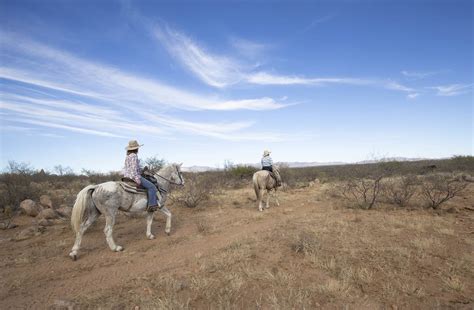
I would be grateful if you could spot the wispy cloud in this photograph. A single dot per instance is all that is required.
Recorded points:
(318, 21)
(222, 71)
(453, 89)
(52, 88)
(247, 48)
(418, 75)
(46, 66)
(215, 70)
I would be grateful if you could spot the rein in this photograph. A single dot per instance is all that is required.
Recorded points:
(171, 182)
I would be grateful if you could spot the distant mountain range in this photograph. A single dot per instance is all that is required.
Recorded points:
(297, 164)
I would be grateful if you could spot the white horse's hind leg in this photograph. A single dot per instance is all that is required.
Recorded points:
(108, 231)
(167, 212)
(260, 198)
(93, 215)
(149, 221)
(268, 200)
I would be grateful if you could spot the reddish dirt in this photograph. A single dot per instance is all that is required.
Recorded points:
(309, 252)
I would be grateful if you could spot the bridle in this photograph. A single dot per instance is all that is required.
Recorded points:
(181, 182)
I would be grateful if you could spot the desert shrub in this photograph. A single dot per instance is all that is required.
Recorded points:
(196, 191)
(154, 163)
(362, 191)
(95, 177)
(363, 185)
(439, 188)
(400, 190)
(16, 185)
(242, 171)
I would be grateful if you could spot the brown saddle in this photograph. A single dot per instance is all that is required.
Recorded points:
(131, 186)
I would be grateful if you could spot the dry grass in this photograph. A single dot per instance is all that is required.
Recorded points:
(306, 254)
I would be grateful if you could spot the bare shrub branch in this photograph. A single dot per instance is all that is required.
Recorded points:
(439, 188)
(196, 191)
(400, 190)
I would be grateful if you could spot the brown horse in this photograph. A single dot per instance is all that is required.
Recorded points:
(263, 181)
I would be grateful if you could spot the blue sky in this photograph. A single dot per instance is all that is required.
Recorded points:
(201, 82)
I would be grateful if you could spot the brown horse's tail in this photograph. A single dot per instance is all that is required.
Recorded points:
(83, 201)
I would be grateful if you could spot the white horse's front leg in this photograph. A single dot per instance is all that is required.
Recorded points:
(149, 221)
(167, 212)
(276, 197)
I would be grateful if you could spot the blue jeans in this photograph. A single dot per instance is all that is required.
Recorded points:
(151, 189)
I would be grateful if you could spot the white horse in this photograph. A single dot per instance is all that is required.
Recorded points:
(263, 181)
(109, 197)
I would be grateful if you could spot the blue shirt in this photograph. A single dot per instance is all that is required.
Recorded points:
(267, 161)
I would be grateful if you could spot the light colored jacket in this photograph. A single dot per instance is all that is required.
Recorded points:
(132, 168)
(267, 161)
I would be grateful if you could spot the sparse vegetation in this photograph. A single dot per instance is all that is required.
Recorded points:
(307, 253)
(195, 193)
(400, 190)
(439, 188)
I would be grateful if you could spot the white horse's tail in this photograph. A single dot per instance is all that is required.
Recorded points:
(83, 200)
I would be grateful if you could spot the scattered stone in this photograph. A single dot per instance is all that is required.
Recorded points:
(452, 210)
(30, 208)
(65, 211)
(468, 178)
(48, 214)
(45, 222)
(28, 233)
(7, 225)
(46, 202)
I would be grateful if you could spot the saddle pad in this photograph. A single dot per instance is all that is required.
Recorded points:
(132, 188)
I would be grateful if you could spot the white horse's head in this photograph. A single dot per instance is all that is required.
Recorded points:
(171, 173)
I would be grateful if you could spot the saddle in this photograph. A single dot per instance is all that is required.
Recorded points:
(131, 186)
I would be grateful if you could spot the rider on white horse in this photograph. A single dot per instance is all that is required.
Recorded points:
(267, 164)
(132, 171)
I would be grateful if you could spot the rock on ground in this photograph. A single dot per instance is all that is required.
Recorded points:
(48, 214)
(30, 208)
(65, 211)
(28, 233)
(46, 202)
(45, 222)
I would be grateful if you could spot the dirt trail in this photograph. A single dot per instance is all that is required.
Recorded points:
(47, 273)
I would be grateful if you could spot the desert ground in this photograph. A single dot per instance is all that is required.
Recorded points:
(310, 252)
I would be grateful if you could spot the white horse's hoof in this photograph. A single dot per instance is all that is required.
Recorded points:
(73, 255)
(118, 248)
(151, 237)
(168, 233)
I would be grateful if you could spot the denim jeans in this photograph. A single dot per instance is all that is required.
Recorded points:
(151, 189)
(268, 168)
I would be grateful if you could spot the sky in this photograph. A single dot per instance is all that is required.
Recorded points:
(204, 82)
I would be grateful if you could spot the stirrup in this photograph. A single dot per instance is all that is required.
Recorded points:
(152, 208)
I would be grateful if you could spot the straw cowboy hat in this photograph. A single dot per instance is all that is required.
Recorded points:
(133, 145)
(266, 153)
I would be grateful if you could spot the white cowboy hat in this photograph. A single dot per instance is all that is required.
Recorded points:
(133, 145)
(266, 153)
